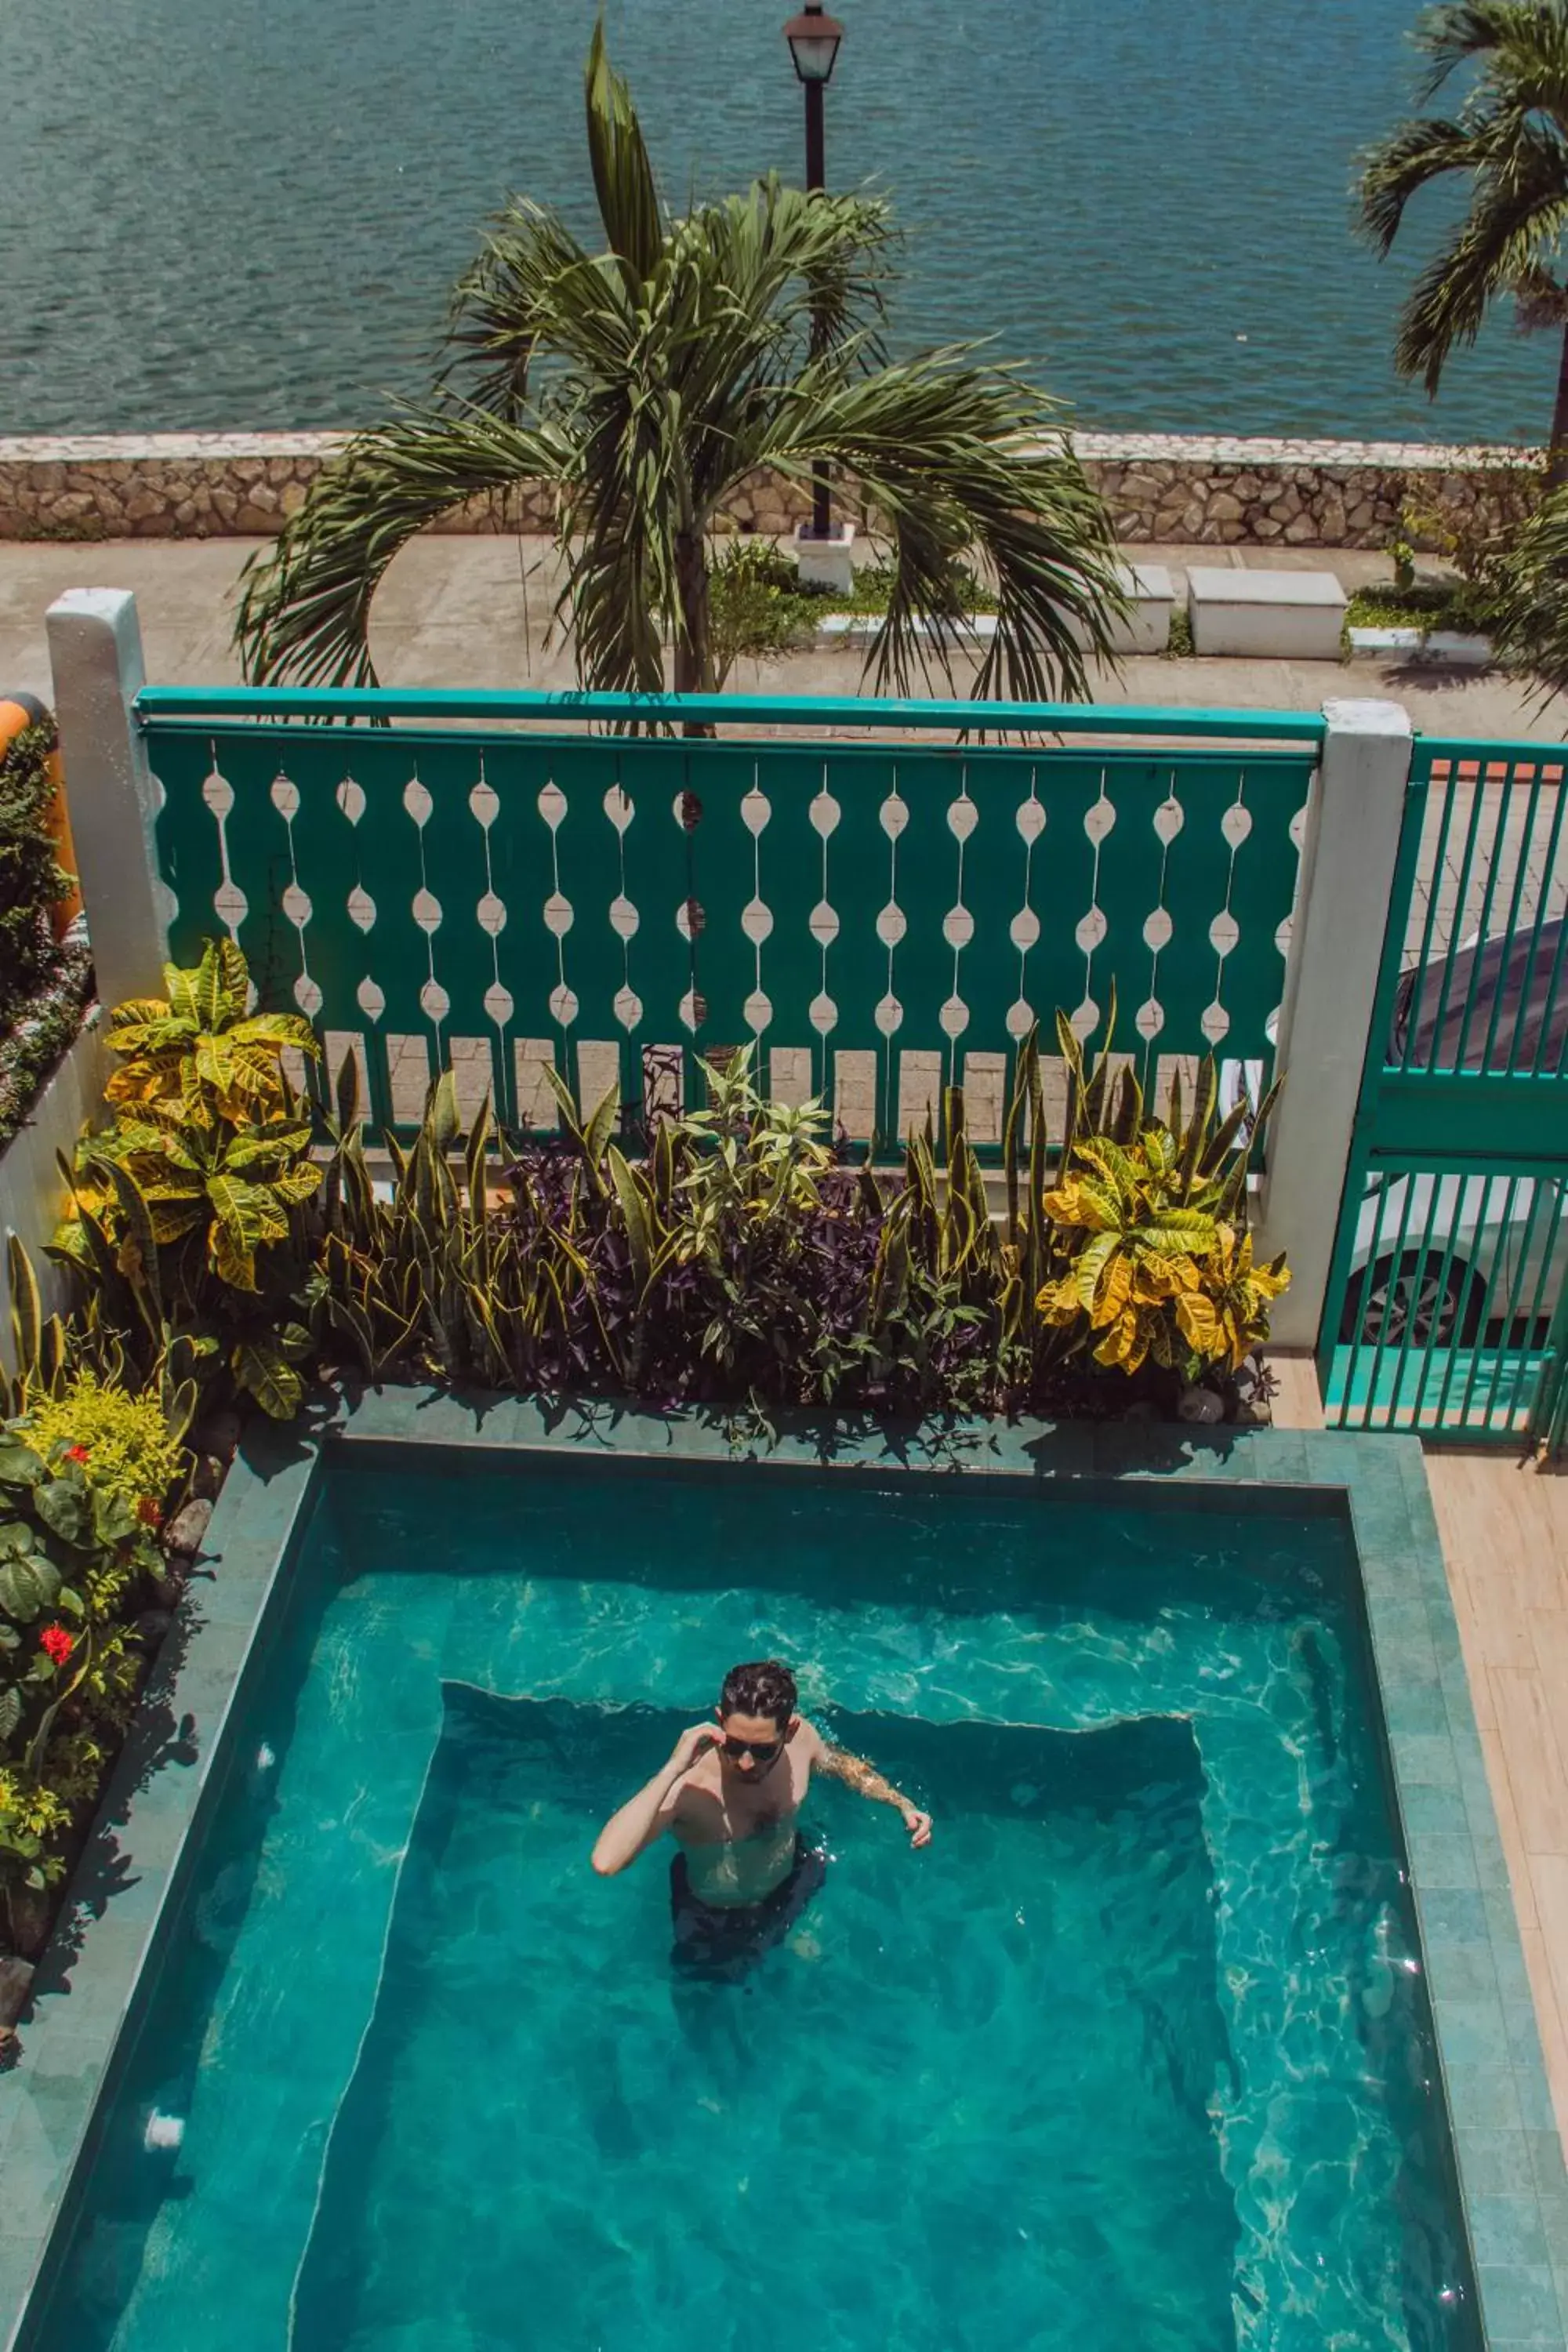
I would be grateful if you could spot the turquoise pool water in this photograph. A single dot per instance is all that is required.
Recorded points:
(1137, 2054)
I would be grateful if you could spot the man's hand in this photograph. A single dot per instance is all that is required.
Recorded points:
(693, 1744)
(855, 1773)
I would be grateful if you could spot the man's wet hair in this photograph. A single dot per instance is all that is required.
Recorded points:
(764, 1687)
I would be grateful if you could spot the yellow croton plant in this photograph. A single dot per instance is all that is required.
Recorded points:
(209, 1136)
(1154, 1269)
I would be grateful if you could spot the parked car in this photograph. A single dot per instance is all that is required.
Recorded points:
(1429, 1248)
(1531, 1028)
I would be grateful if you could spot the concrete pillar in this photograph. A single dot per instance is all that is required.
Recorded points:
(1348, 858)
(95, 652)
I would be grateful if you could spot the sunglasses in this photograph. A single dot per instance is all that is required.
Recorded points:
(762, 1751)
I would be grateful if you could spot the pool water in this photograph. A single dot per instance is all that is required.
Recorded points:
(1137, 2054)
(755, 2122)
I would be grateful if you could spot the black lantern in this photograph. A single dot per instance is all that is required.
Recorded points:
(813, 40)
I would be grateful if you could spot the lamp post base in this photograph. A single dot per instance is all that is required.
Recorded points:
(826, 563)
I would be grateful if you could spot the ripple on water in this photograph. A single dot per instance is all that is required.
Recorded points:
(251, 218)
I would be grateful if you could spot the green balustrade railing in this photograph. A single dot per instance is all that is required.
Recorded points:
(498, 881)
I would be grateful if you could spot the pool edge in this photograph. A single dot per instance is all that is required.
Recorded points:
(1513, 2182)
(130, 1866)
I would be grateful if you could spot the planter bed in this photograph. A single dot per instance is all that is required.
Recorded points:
(1145, 629)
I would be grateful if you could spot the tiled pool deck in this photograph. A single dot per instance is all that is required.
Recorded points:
(1504, 1527)
(1511, 2159)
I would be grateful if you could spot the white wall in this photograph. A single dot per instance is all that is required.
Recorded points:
(32, 1190)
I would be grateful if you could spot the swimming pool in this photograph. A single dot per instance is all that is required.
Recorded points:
(1140, 2053)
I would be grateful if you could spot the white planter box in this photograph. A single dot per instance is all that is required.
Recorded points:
(1267, 615)
(1147, 627)
(1386, 645)
(32, 1190)
(837, 631)
(827, 562)
(1145, 630)
(1456, 649)
(1442, 648)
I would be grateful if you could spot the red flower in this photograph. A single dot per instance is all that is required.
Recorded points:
(56, 1642)
(76, 1452)
(149, 1514)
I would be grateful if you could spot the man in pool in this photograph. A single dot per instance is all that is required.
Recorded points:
(730, 1795)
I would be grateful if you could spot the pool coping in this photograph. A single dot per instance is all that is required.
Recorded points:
(1510, 2161)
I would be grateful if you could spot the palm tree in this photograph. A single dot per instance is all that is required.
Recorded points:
(644, 383)
(1509, 139)
(1527, 599)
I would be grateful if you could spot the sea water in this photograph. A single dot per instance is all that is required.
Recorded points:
(1135, 2053)
(249, 215)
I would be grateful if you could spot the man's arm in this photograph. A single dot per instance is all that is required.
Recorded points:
(857, 1774)
(648, 1814)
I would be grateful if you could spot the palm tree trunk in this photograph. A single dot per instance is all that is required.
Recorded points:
(1557, 454)
(693, 651)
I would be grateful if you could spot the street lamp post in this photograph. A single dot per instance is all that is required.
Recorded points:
(813, 37)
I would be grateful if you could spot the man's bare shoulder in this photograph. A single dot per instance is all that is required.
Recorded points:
(809, 1744)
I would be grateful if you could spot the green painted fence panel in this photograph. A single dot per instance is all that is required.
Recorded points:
(873, 917)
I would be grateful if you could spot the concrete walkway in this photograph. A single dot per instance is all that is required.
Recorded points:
(457, 612)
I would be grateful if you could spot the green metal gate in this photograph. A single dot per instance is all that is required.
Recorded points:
(1446, 1304)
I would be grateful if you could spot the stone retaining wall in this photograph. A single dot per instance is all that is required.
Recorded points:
(1166, 488)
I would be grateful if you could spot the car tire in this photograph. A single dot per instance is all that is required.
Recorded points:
(1412, 1300)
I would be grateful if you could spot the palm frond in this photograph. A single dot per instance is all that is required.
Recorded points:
(668, 426)
(304, 608)
(514, 298)
(1408, 160)
(1527, 600)
(623, 175)
(1517, 214)
(957, 459)
(1509, 139)
(1454, 34)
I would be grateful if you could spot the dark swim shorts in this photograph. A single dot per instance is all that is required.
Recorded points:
(725, 1940)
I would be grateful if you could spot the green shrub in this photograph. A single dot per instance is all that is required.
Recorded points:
(757, 608)
(42, 985)
(1424, 604)
(123, 1438)
(184, 1227)
(740, 1262)
(75, 1560)
(32, 881)
(760, 609)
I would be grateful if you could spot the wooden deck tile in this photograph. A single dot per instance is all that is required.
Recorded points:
(1298, 1404)
(1504, 1529)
